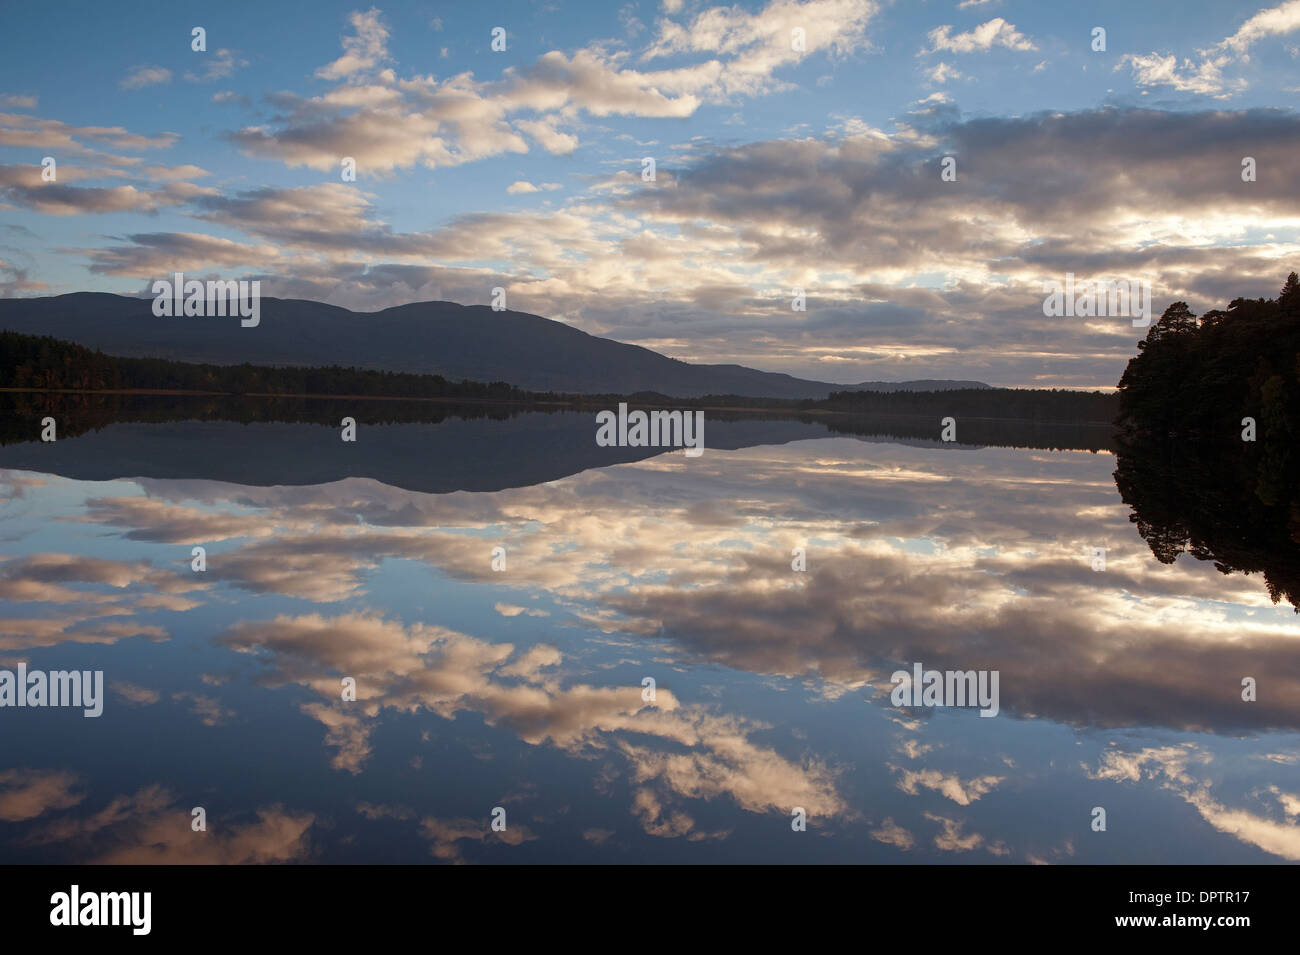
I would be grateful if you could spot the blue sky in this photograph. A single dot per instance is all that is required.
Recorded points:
(776, 168)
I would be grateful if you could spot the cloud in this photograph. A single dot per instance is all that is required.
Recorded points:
(892, 834)
(943, 72)
(139, 77)
(855, 217)
(14, 281)
(952, 839)
(157, 254)
(445, 835)
(963, 793)
(513, 610)
(1206, 76)
(683, 751)
(530, 664)
(986, 36)
(87, 614)
(386, 122)
(148, 828)
(523, 186)
(664, 824)
(364, 49)
(135, 695)
(208, 709)
(26, 794)
(546, 135)
(1176, 768)
(755, 45)
(23, 131)
(216, 66)
(24, 186)
(324, 217)
(228, 96)
(1274, 21)
(159, 521)
(371, 811)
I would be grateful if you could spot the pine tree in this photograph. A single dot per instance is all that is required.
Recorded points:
(1289, 299)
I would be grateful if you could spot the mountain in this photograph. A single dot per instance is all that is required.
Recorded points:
(439, 338)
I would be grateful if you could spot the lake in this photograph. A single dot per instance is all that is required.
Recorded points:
(499, 590)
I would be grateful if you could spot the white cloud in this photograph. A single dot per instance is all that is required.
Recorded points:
(943, 72)
(216, 66)
(1173, 767)
(962, 792)
(996, 32)
(1275, 21)
(386, 122)
(523, 187)
(1206, 77)
(365, 49)
(139, 77)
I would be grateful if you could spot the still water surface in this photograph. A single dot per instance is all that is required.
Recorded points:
(523, 689)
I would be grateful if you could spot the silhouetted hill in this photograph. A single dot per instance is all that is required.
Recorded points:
(434, 338)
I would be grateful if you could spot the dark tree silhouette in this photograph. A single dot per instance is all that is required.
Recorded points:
(1186, 462)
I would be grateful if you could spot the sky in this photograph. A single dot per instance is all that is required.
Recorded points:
(796, 146)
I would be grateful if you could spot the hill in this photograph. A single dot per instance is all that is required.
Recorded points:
(453, 341)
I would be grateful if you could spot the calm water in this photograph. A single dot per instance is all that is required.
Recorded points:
(523, 688)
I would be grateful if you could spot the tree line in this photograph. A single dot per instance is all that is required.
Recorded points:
(50, 364)
(1199, 376)
(1026, 404)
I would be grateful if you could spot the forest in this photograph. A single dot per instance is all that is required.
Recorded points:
(49, 364)
(1209, 410)
(1025, 404)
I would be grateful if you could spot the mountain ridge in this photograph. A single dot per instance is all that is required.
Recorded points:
(441, 338)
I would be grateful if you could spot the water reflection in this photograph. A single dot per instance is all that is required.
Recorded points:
(1220, 506)
(523, 688)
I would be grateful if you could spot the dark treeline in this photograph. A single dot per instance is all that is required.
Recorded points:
(1026, 404)
(978, 431)
(82, 412)
(1198, 480)
(49, 364)
(1198, 377)
(62, 379)
(21, 412)
(43, 363)
(78, 413)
